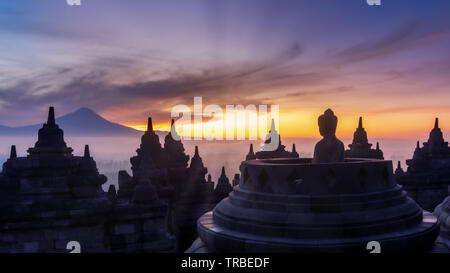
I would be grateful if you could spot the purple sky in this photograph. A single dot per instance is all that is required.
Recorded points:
(129, 59)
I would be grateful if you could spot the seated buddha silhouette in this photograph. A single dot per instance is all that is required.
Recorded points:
(330, 148)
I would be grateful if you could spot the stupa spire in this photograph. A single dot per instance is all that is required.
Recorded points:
(360, 136)
(399, 171)
(294, 153)
(360, 146)
(50, 137)
(418, 145)
(251, 154)
(223, 187)
(196, 152)
(173, 132)
(436, 140)
(175, 156)
(272, 125)
(13, 153)
(51, 116)
(197, 171)
(149, 125)
(87, 153)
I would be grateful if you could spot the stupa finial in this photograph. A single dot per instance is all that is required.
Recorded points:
(272, 126)
(251, 154)
(173, 131)
(223, 171)
(293, 148)
(436, 123)
(378, 146)
(51, 116)
(13, 153)
(399, 171)
(418, 145)
(196, 151)
(360, 126)
(87, 153)
(50, 136)
(149, 125)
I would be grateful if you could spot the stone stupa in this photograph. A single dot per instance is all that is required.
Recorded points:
(427, 177)
(176, 160)
(223, 187)
(323, 204)
(51, 197)
(360, 146)
(195, 197)
(161, 177)
(272, 150)
(147, 165)
(143, 206)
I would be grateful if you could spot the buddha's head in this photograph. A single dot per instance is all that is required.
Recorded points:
(328, 123)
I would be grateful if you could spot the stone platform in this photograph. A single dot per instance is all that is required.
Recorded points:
(294, 205)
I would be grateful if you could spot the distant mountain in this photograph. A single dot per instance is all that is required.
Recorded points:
(82, 122)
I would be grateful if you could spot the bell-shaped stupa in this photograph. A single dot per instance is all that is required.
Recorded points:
(195, 197)
(50, 139)
(144, 201)
(148, 165)
(51, 197)
(251, 155)
(427, 177)
(325, 204)
(272, 147)
(174, 150)
(223, 187)
(360, 146)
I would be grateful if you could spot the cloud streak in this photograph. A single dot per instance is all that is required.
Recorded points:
(129, 67)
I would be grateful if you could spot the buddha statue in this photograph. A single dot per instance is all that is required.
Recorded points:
(330, 149)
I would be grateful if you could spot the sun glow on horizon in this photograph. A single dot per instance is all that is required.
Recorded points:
(304, 125)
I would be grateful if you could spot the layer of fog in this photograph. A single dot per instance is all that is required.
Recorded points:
(113, 153)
